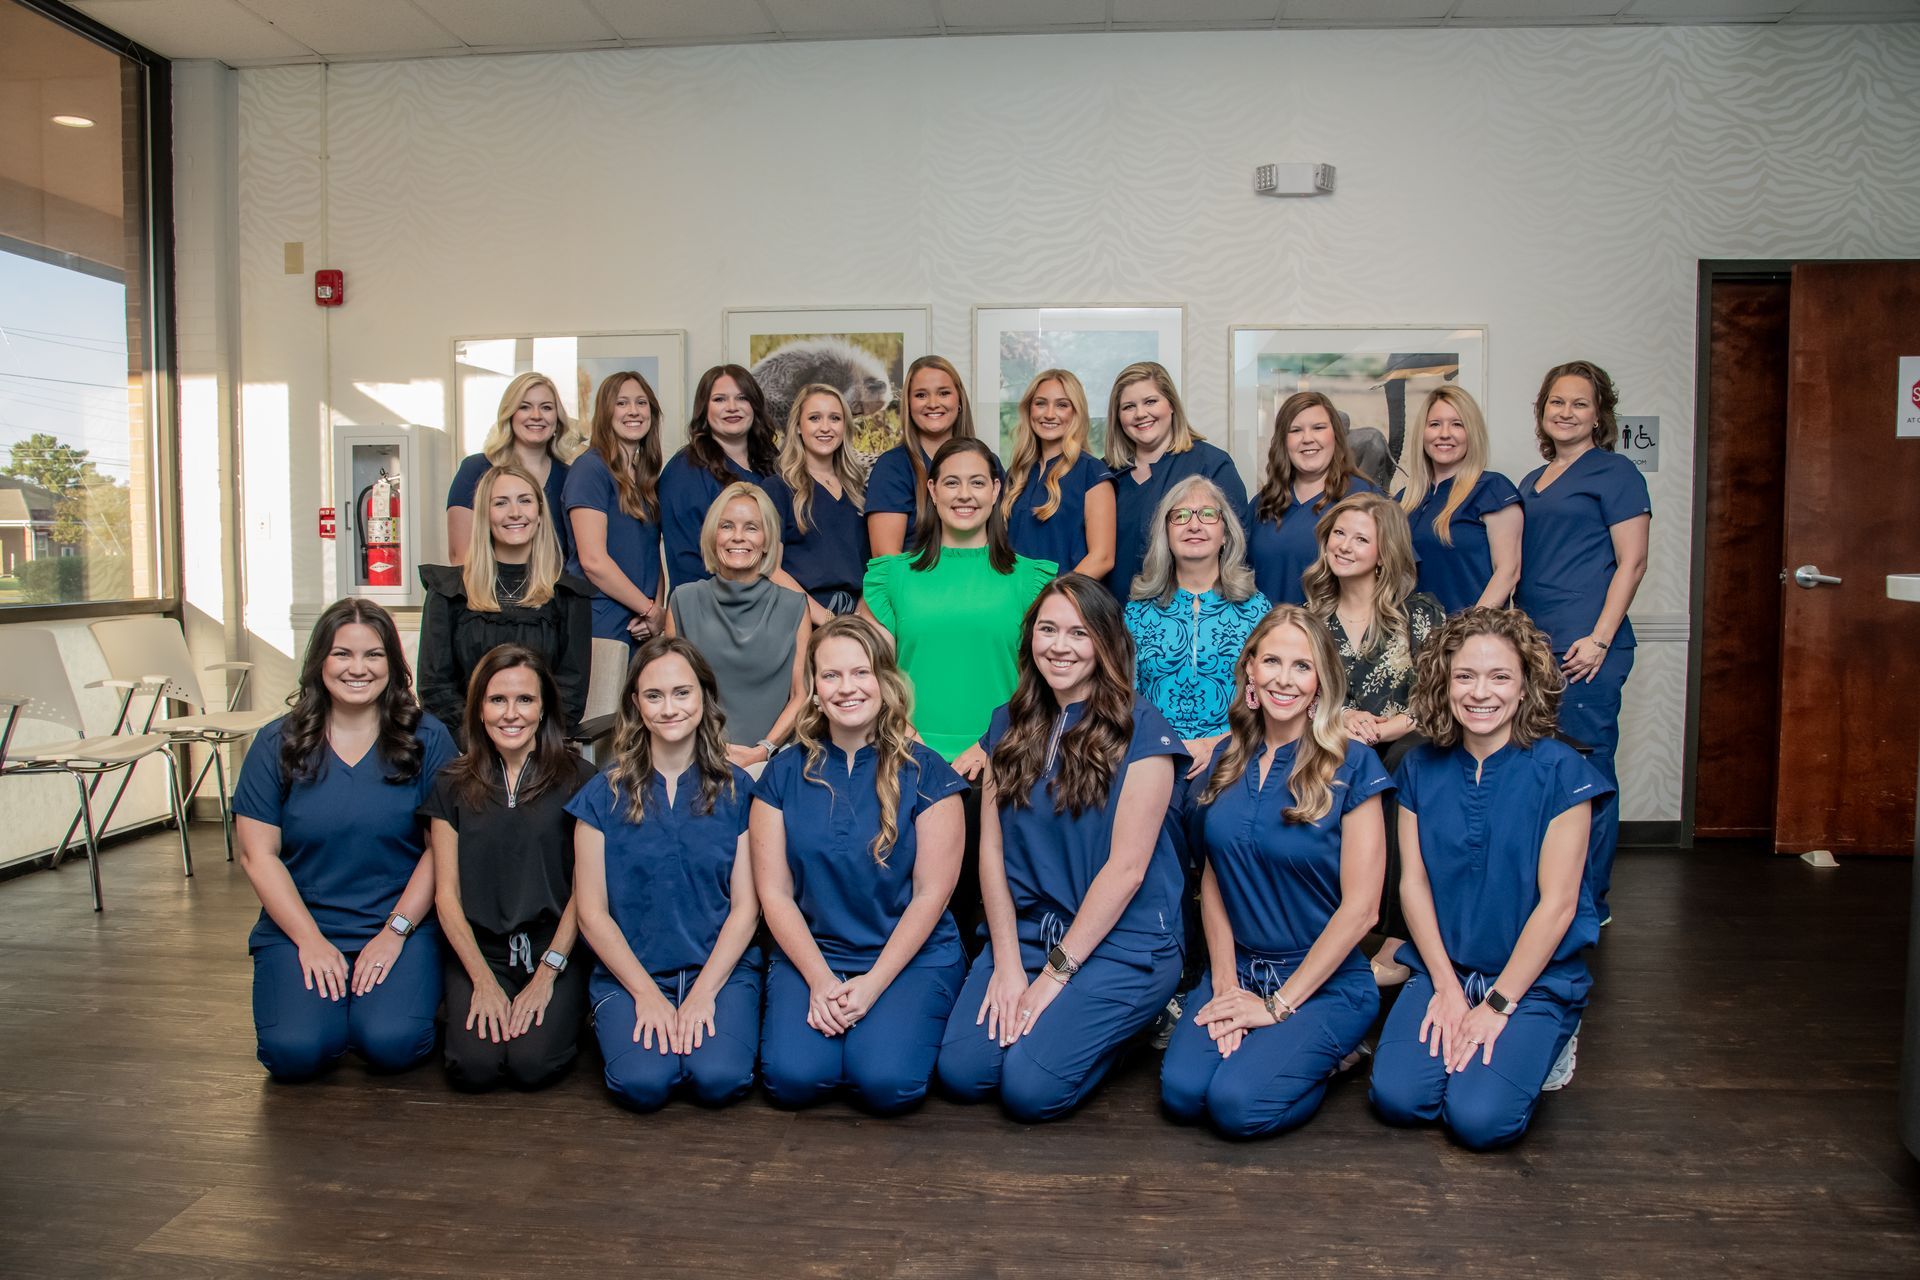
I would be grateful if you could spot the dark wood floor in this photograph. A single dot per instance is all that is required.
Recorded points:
(1733, 1115)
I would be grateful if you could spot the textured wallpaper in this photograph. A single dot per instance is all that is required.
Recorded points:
(1556, 185)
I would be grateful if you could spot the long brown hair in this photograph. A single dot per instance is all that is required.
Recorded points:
(1276, 495)
(910, 436)
(552, 762)
(1027, 449)
(1322, 747)
(892, 729)
(1394, 577)
(632, 768)
(763, 459)
(1606, 427)
(1539, 707)
(303, 735)
(636, 468)
(928, 531)
(1089, 753)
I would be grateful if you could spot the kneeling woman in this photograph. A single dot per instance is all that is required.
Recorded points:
(1289, 826)
(329, 834)
(856, 847)
(502, 844)
(1078, 865)
(1494, 817)
(666, 891)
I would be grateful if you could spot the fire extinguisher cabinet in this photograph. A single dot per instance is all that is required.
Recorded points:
(376, 493)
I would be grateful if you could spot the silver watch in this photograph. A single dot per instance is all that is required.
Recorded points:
(401, 925)
(555, 961)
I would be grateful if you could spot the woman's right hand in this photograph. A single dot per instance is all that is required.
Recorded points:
(655, 1023)
(1363, 727)
(997, 1009)
(970, 763)
(489, 1012)
(1441, 1027)
(823, 1011)
(1201, 751)
(324, 969)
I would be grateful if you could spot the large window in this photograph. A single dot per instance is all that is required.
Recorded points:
(85, 435)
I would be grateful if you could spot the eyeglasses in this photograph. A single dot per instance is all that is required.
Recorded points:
(1206, 515)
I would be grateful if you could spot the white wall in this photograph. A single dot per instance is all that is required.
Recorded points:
(1557, 185)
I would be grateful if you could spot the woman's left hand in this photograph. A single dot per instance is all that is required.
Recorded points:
(1478, 1030)
(1235, 1010)
(1363, 726)
(746, 756)
(1583, 659)
(696, 1021)
(376, 961)
(1041, 992)
(971, 763)
(1201, 752)
(853, 999)
(530, 1006)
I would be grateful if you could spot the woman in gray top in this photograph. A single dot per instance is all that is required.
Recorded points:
(752, 631)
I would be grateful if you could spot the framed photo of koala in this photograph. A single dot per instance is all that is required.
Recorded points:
(863, 351)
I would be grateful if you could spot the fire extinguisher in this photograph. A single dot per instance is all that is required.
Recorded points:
(379, 530)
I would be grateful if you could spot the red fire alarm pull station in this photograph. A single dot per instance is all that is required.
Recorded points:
(329, 288)
(329, 524)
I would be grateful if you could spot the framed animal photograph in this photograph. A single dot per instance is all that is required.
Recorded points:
(1378, 378)
(482, 368)
(1012, 344)
(862, 351)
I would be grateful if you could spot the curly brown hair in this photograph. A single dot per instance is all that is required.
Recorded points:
(303, 736)
(1606, 429)
(1539, 709)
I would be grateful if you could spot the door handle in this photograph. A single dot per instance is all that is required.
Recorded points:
(1809, 576)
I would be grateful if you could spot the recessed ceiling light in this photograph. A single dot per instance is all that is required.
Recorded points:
(74, 122)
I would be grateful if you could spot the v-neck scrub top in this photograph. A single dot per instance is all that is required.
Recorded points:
(1061, 537)
(1280, 552)
(349, 838)
(466, 482)
(687, 490)
(1280, 880)
(670, 875)
(832, 554)
(1480, 842)
(1456, 575)
(851, 902)
(633, 544)
(890, 487)
(1135, 502)
(1053, 856)
(1566, 548)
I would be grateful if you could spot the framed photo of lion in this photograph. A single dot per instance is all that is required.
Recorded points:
(862, 351)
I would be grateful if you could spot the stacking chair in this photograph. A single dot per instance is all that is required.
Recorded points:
(148, 656)
(606, 675)
(34, 686)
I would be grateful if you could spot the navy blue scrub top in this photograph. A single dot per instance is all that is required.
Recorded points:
(1280, 880)
(1053, 856)
(1456, 575)
(350, 839)
(686, 491)
(1566, 549)
(1062, 537)
(669, 876)
(852, 903)
(890, 487)
(466, 481)
(1281, 553)
(1135, 502)
(632, 543)
(1480, 843)
(832, 554)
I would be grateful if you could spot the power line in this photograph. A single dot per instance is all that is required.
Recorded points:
(70, 382)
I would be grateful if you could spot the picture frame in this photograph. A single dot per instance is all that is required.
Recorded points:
(1013, 343)
(483, 366)
(1377, 375)
(863, 351)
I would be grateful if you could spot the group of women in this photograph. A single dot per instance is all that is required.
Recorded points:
(952, 771)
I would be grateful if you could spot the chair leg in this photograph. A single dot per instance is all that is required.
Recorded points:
(93, 843)
(226, 804)
(180, 819)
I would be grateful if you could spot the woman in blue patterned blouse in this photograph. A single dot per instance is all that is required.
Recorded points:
(1194, 605)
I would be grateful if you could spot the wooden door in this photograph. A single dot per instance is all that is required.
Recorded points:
(1849, 657)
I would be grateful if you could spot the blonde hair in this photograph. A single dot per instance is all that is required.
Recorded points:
(1393, 577)
(1120, 451)
(498, 446)
(793, 457)
(1322, 747)
(1157, 581)
(893, 737)
(1026, 449)
(769, 521)
(1420, 471)
(479, 576)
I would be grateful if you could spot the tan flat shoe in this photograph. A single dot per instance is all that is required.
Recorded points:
(1387, 971)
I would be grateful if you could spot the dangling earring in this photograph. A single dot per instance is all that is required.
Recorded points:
(1253, 699)
(1313, 708)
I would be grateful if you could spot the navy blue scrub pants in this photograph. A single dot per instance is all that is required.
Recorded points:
(1486, 1105)
(302, 1033)
(1052, 1068)
(718, 1072)
(886, 1059)
(1590, 713)
(535, 1058)
(1278, 1076)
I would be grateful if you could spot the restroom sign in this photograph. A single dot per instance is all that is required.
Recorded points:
(1907, 419)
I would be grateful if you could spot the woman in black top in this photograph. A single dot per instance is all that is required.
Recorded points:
(502, 845)
(510, 591)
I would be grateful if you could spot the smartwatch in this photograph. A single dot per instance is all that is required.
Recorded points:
(401, 925)
(554, 961)
(1498, 1003)
(1063, 965)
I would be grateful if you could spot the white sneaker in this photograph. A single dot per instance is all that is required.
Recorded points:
(1562, 1074)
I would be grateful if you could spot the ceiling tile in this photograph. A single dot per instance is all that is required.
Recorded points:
(684, 20)
(1028, 15)
(195, 29)
(853, 17)
(356, 26)
(1198, 12)
(1367, 12)
(1521, 11)
(484, 23)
